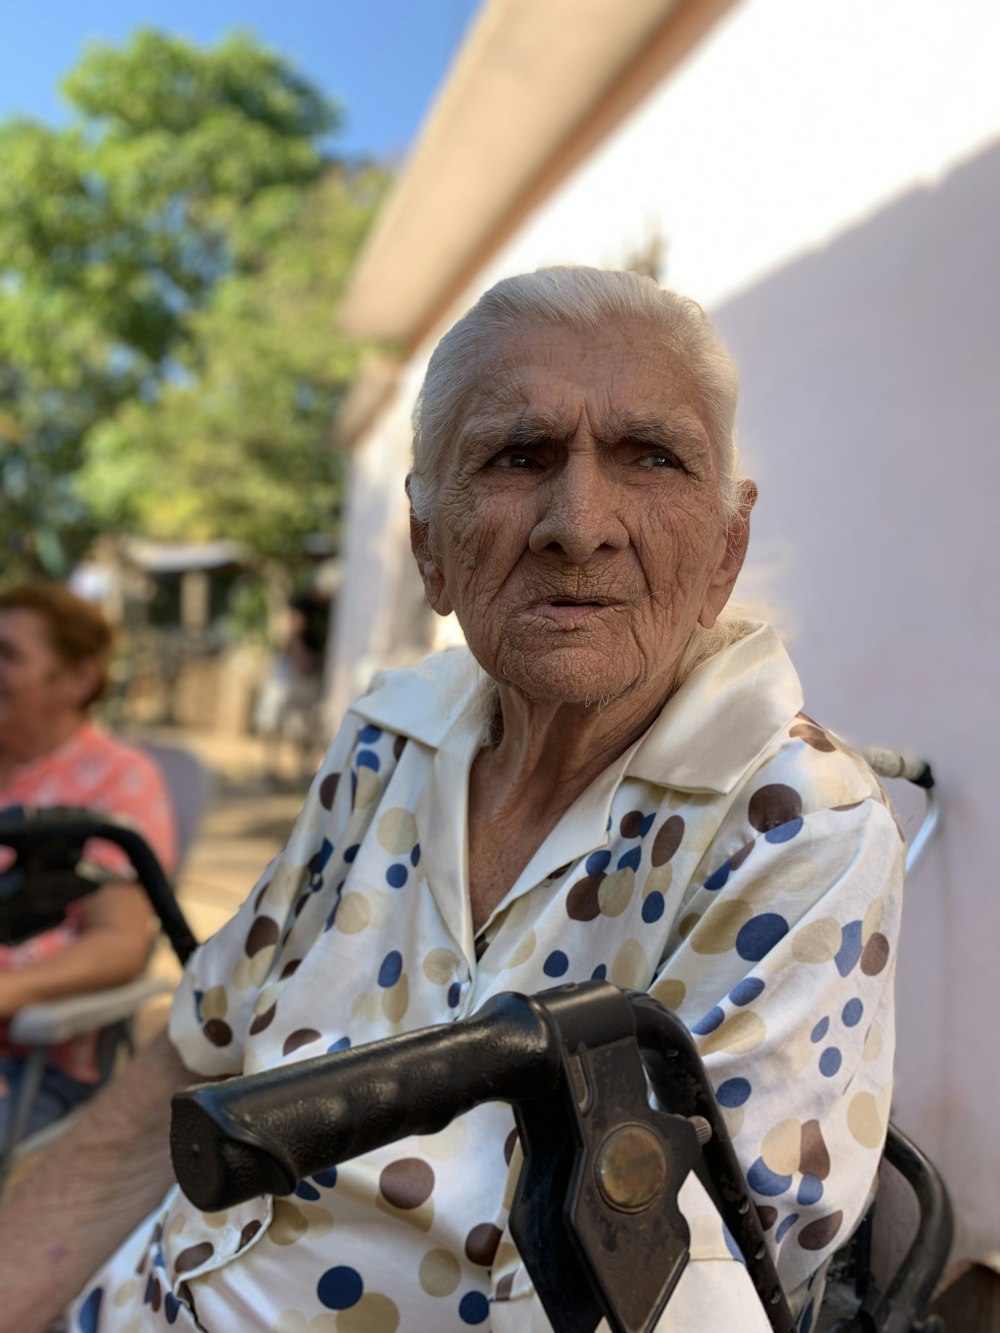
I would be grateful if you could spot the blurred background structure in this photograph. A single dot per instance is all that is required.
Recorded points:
(824, 178)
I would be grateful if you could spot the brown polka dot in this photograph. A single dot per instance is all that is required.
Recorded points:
(263, 1020)
(300, 905)
(263, 933)
(328, 790)
(582, 902)
(773, 805)
(667, 840)
(194, 1256)
(260, 895)
(562, 870)
(851, 805)
(813, 735)
(768, 1215)
(817, 1235)
(300, 1037)
(481, 1243)
(155, 1291)
(407, 1182)
(737, 858)
(509, 1145)
(398, 746)
(504, 1287)
(631, 825)
(290, 968)
(248, 1233)
(875, 955)
(815, 1158)
(218, 1032)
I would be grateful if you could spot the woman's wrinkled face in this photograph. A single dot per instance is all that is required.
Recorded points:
(578, 531)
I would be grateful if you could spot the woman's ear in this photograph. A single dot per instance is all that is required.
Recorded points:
(430, 571)
(721, 584)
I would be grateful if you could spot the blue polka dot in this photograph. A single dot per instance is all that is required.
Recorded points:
(850, 948)
(473, 1307)
(784, 832)
(762, 1180)
(733, 1092)
(340, 1288)
(631, 859)
(151, 1285)
(352, 852)
(369, 734)
(90, 1311)
(198, 996)
(731, 1245)
(746, 991)
(341, 1044)
(304, 1190)
(600, 972)
(556, 965)
(717, 878)
(652, 908)
(784, 1227)
(597, 862)
(415, 854)
(171, 1307)
(327, 1178)
(646, 824)
(820, 1030)
(806, 1320)
(810, 1190)
(391, 969)
(759, 936)
(397, 875)
(454, 994)
(853, 1010)
(830, 1061)
(710, 1022)
(368, 759)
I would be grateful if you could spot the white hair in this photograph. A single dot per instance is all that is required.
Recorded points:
(576, 298)
(585, 299)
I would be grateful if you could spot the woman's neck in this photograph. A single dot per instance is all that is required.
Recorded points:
(25, 745)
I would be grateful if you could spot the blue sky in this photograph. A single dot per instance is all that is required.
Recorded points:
(382, 59)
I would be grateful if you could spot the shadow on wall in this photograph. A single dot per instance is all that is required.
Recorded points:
(870, 411)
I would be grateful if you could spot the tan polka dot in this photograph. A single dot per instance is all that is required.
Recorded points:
(733, 1117)
(717, 930)
(863, 1120)
(740, 1033)
(873, 1046)
(288, 1223)
(439, 966)
(439, 1272)
(687, 924)
(630, 968)
(267, 998)
(815, 1158)
(669, 991)
(616, 891)
(517, 913)
(283, 888)
(176, 1225)
(507, 1258)
(374, 1313)
(253, 1062)
(658, 880)
(126, 1292)
(258, 966)
(382, 906)
(677, 800)
(449, 1143)
(872, 919)
(214, 1003)
(397, 831)
(353, 914)
(782, 1146)
(396, 999)
(216, 1220)
(367, 788)
(523, 951)
(792, 876)
(133, 1325)
(817, 942)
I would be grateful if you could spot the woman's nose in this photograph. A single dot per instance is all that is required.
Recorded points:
(579, 514)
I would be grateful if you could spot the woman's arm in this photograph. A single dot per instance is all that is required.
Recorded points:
(111, 949)
(89, 1191)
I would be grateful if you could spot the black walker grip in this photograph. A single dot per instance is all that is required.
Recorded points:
(262, 1134)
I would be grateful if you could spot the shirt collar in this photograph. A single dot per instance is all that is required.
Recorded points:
(729, 710)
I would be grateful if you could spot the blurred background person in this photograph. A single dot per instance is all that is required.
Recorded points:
(55, 650)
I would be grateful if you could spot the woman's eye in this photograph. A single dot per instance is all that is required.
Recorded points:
(515, 461)
(655, 459)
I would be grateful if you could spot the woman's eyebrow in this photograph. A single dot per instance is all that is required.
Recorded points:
(681, 431)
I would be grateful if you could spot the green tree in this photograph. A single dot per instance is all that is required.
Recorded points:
(149, 254)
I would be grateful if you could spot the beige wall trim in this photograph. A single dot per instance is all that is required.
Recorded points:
(532, 93)
(369, 392)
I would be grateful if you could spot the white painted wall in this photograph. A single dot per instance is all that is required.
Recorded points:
(827, 177)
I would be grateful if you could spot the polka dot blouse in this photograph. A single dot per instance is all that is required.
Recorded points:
(738, 862)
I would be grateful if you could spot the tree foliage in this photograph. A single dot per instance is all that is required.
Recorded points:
(169, 270)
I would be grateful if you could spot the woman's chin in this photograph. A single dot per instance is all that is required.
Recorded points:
(575, 674)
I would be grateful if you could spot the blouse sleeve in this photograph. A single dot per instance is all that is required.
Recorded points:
(784, 976)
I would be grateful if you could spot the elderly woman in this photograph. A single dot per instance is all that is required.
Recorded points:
(614, 780)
